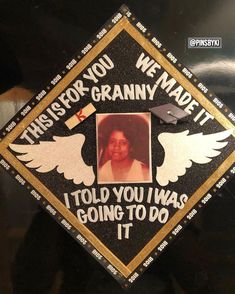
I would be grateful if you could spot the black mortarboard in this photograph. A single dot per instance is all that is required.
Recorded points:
(169, 113)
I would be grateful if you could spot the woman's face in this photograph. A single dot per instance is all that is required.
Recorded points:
(118, 146)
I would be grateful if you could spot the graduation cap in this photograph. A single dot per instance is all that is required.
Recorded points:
(169, 113)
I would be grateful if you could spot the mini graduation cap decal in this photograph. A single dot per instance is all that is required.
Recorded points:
(169, 113)
(121, 184)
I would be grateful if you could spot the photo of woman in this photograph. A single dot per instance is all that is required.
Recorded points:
(123, 148)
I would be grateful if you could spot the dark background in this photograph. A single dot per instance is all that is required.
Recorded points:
(36, 255)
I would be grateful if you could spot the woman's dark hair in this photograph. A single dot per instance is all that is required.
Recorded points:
(134, 127)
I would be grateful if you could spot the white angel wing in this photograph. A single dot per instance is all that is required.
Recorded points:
(182, 149)
(64, 154)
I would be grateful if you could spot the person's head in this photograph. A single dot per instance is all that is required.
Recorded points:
(122, 136)
(119, 146)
